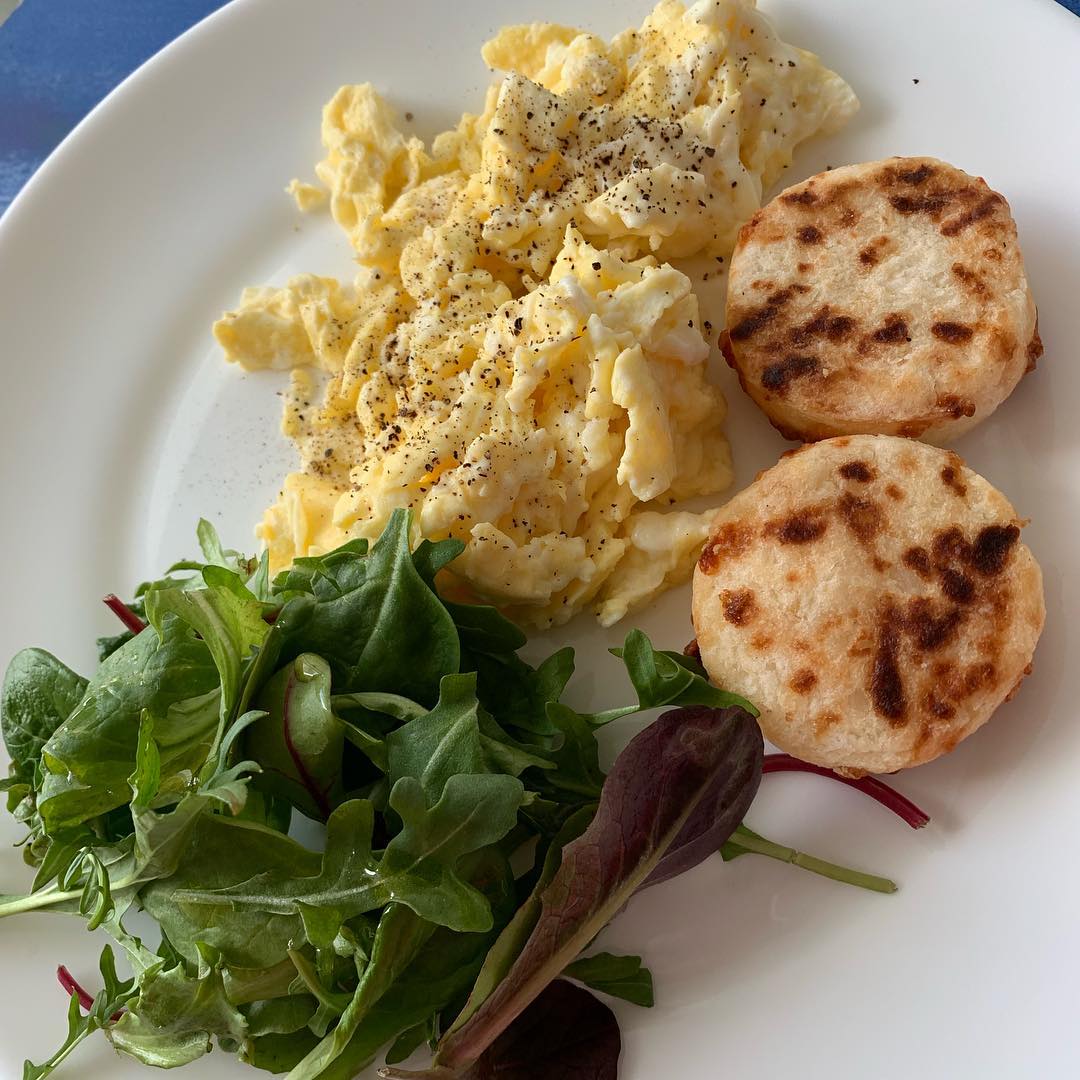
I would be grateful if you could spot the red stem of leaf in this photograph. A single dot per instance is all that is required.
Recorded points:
(306, 778)
(868, 785)
(124, 613)
(71, 986)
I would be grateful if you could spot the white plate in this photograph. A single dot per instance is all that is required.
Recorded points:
(119, 426)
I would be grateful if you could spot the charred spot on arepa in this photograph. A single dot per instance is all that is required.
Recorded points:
(863, 517)
(729, 541)
(893, 330)
(801, 527)
(739, 606)
(886, 684)
(950, 477)
(858, 471)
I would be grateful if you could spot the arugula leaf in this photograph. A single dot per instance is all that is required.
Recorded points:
(619, 976)
(418, 867)
(667, 678)
(299, 742)
(172, 1020)
(280, 1015)
(400, 937)
(113, 996)
(648, 796)
(373, 618)
(230, 624)
(38, 695)
(442, 743)
(221, 853)
(90, 756)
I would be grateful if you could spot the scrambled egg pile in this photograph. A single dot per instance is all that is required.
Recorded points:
(514, 359)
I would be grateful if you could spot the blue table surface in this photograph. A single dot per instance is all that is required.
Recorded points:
(59, 58)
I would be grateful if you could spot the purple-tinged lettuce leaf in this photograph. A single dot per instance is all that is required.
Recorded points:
(565, 1034)
(653, 790)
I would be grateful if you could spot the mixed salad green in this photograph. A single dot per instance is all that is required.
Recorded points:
(473, 846)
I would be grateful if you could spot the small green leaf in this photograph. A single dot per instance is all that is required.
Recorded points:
(620, 976)
(38, 695)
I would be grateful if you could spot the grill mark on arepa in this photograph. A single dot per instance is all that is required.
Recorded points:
(776, 377)
(886, 686)
(917, 559)
(958, 587)
(955, 406)
(751, 323)
(983, 209)
(803, 681)
(809, 234)
(806, 197)
(823, 324)
(919, 204)
(953, 332)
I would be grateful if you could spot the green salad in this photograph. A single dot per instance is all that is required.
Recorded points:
(473, 847)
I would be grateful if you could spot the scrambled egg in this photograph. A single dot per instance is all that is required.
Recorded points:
(516, 360)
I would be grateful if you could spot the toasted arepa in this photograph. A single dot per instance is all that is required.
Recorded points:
(871, 595)
(884, 298)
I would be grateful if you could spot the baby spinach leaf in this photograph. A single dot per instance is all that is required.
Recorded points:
(38, 695)
(375, 620)
(90, 756)
(421, 860)
(431, 556)
(619, 976)
(299, 742)
(650, 793)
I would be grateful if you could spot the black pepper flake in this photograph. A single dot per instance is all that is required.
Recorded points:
(710, 151)
(596, 266)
